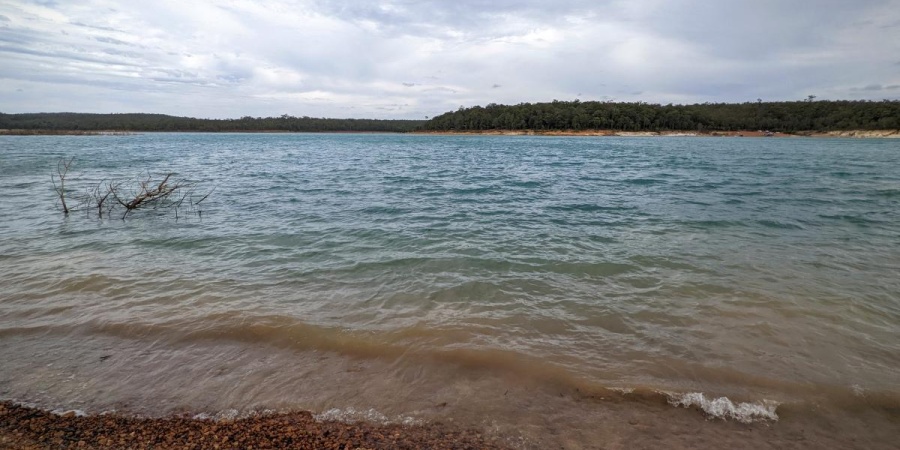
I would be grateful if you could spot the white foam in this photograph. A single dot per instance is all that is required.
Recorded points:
(260, 413)
(223, 415)
(621, 390)
(724, 408)
(351, 415)
(226, 414)
(63, 412)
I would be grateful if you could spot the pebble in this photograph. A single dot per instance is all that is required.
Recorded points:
(32, 429)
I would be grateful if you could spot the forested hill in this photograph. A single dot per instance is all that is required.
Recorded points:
(556, 115)
(160, 122)
(576, 115)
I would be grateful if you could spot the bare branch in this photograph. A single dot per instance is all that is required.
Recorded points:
(145, 193)
(62, 169)
(204, 197)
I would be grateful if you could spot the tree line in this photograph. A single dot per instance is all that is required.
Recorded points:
(575, 115)
(162, 122)
(788, 117)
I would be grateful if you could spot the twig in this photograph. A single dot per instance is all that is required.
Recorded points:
(62, 169)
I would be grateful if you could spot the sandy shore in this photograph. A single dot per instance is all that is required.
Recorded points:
(23, 428)
(745, 133)
(18, 132)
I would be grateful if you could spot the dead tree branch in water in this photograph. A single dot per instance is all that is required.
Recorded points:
(99, 195)
(62, 169)
(146, 194)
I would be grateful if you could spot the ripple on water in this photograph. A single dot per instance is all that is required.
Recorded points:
(620, 262)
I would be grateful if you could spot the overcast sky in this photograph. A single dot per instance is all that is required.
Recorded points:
(418, 58)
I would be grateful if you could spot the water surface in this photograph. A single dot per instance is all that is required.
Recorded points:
(381, 275)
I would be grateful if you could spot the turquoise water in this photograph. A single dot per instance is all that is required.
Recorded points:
(764, 270)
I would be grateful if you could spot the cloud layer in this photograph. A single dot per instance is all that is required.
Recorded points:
(412, 59)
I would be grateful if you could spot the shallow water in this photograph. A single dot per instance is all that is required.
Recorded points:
(393, 273)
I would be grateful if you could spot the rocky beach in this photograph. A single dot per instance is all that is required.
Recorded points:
(24, 428)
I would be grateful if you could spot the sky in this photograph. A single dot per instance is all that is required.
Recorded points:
(412, 59)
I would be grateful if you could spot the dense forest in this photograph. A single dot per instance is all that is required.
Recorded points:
(161, 122)
(557, 115)
(575, 115)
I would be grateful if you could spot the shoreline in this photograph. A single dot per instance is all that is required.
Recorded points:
(857, 134)
(27, 428)
(20, 132)
(881, 134)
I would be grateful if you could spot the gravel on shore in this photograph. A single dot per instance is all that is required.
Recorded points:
(24, 428)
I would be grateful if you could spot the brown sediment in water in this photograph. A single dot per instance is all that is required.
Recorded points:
(25, 428)
(157, 391)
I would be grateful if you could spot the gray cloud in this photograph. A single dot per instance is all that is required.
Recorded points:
(326, 58)
(110, 40)
(57, 55)
(96, 27)
(116, 52)
(231, 78)
(876, 87)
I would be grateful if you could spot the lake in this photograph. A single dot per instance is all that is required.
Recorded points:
(551, 290)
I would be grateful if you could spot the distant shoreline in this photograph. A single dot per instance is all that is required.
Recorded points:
(615, 133)
(127, 133)
(64, 133)
(889, 134)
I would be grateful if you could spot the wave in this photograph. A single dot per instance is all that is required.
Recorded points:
(472, 190)
(590, 207)
(392, 211)
(714, 223)
(645, 181)
(857, 220)
(527, 184)
(779, 224)
(352, 415)
(69, 412)
(723, 408)
(888, 192)
(743, 193)
(438, 349)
